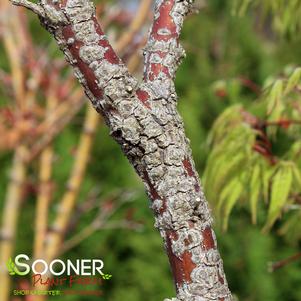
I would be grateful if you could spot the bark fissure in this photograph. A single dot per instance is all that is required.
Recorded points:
(143, 119)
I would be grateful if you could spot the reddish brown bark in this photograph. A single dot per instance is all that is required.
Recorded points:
(144, 120)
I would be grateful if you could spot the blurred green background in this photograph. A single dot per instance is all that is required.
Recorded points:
(220, 46)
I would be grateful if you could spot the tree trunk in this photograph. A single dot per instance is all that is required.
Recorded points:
(144, 120)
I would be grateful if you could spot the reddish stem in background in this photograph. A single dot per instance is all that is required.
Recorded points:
(263, 145)
(284, 123)
(282, 263)
(250, 84)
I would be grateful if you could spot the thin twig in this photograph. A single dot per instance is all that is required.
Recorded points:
(54, 130)
(44, 195)
(282, 263)
(96, 225)
(10, 217)
(68, 201)
(135, 26)
(12, 203)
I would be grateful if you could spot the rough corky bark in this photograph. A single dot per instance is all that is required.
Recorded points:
(144, 120)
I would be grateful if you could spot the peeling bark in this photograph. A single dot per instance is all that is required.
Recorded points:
(143, 119)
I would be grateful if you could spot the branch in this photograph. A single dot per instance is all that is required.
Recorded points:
(163, 52)
(97, 225)
(10, 218)
(14, 194)
(67, 203)
(43, 201)
(13, 51)
(144, 121)
(284, 123)
(273, 266)
(44, 195)
(36, 8)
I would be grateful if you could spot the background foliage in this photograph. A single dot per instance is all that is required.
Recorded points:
(231, 59)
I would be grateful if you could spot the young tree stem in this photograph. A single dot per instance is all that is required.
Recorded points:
(143, 119)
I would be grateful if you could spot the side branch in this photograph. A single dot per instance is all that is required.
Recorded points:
(74, 25)
(36, 8)
(163, 52)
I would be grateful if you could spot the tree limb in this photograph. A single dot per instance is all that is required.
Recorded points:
(143, 119)
(163, 52)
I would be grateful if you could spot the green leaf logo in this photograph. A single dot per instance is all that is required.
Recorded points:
(11, 267)
(106, 276)
(12, 270)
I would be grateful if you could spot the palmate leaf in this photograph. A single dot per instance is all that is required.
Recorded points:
(294, 153)
(227, 160)
(239, 138)
(278, 95)
(296, 178)
(228, 198)
(293, 81)
(285, 14)
(266, 176)
(224, 124)
(274, 98)
(223, 171)
(275, 93)
(232, 140)
(280, 188)
(275, 104)
(255, 190)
